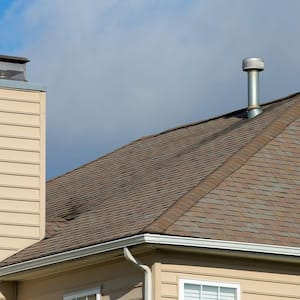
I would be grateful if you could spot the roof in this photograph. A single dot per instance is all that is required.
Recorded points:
(227, 178)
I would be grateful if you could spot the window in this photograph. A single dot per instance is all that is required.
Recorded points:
(206, 290)
(93, 294)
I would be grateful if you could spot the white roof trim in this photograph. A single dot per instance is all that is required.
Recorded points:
(220, 244)
(153, 239)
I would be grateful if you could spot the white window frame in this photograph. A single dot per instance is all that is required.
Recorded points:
(85, 293)
(209, 283)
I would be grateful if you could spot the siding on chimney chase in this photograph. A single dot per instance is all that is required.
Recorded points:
(22, 169)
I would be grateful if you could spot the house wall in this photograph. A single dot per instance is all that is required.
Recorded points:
(117, 280)
(22, 169)
(8, 291)
(257, 279)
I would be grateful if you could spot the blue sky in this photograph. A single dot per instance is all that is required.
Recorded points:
(116, 70)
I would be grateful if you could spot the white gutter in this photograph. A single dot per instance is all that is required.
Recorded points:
(282, 252)
(220, 244)
(148, 274)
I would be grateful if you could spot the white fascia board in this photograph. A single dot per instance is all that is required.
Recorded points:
(21, 85)
(72, 254)
(152, 239)
(221, 245)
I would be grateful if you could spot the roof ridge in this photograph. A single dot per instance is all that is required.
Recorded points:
(191, 124)
(232, 164)
(151, 136)
(228, 114)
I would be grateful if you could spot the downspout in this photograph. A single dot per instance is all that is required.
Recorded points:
(148, 274)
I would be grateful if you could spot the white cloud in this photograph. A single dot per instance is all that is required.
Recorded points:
(116, 70)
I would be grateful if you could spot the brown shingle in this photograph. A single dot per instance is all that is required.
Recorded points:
(263, 210)
(237, 160)
(167, 182)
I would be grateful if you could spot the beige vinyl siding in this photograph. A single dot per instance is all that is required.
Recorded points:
(19, 168)
(20, 144)
(19, 131)
(257, 280)
(9, 217)
(12, 206)
(22, 169)
(27, 231)
(18, 193)
(19, 107)
(24, 119)
(116, 280)
(15, 243)
(26, 181)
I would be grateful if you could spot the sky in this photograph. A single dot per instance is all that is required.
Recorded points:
(117, 70)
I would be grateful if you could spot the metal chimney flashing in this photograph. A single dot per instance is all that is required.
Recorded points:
(253, 65)
(22, 85)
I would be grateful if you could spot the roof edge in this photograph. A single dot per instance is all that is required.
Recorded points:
(21, 85)
(281, 252)
(221, 245)
(191, 124)
(231, 165)
(72, 254)
(222, 115)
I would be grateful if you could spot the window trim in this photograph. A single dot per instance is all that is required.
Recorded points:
(209, 283)
(83, 293)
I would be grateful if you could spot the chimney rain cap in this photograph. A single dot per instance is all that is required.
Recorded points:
(253, 63)
(13, 67)
(14, 59)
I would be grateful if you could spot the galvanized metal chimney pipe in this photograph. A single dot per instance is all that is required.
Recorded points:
(253, 65)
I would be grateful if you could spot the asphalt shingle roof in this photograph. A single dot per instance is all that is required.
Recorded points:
(226, 178)
(259, 202)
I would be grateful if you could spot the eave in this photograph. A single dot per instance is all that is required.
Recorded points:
(219, 247)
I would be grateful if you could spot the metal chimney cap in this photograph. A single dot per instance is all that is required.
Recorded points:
(14, 59)
(13, 67)
(253, 63)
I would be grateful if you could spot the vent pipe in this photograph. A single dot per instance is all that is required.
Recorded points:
(253, 65)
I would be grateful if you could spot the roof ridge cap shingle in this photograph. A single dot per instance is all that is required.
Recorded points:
(232, 164)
